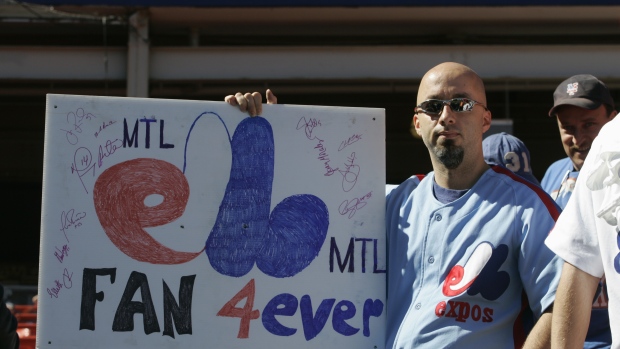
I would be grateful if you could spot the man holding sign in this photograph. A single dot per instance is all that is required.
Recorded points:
(465, 245)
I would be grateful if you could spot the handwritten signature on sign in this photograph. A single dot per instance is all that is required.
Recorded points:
(354, 138)
(66, 283)
(61, 253)
(83, 162)
(351, 170)
(350, 207)
(75, 121)
(103, 126)
(70, 219)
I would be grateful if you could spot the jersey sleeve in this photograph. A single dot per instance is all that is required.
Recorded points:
(539, 267)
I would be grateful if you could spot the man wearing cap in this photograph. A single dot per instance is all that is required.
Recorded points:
(508, 151)
(582, 106)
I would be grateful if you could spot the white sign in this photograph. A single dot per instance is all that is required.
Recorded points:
(188, 224)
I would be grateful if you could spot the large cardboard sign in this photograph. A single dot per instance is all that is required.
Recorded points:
(188, 224)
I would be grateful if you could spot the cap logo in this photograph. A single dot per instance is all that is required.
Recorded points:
(572, 88)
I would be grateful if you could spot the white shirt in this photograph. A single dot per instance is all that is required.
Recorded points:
(586, 234)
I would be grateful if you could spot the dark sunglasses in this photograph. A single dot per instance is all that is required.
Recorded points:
(458, 105)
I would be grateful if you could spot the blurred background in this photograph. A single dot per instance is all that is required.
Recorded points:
(362, 53)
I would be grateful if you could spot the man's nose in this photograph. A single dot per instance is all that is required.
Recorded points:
(447, 115)
(578, 138)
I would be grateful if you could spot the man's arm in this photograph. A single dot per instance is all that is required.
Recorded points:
(540, 335)
(573, 305)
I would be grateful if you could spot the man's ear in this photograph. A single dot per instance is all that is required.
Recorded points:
(413, 130)
(486, 121)
(416, 125)
(613, 115)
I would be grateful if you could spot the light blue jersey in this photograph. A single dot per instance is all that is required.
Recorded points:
(461, 275)
(559, 182)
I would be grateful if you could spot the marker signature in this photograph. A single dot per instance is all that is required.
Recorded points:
(83, 163)
(351, 169)
(75, 119)
(70, 218)
(350, 207)
(58, 285)
(107, 150)
(62, 253)
(308, 126)
(83, 159)
(323, 156)
(349, 141)
(103, 127)
(350, 174)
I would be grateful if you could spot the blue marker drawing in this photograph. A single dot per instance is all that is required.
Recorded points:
(190, 132)
(281, 243)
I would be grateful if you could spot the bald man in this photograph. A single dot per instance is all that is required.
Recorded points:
(466, 255)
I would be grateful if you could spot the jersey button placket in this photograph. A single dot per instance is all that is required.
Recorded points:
(438, 218)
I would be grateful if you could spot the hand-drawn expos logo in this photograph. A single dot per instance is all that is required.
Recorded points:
(281, 244)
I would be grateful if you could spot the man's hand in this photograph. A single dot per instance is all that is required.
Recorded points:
(251, 102)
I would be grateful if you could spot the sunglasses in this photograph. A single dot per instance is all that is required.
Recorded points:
(458, 105)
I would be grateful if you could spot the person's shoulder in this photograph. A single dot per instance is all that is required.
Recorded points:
(522, 192)
(555, 172)
(561, 164)
(610, 129)
(507, 178)
(607, 140)
(405, 188)
(389, 188)
(604, 155)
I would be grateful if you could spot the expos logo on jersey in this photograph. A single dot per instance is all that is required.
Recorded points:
(479, 276)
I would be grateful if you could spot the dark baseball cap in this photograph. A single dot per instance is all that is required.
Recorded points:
(510, 152)
(584, 91)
